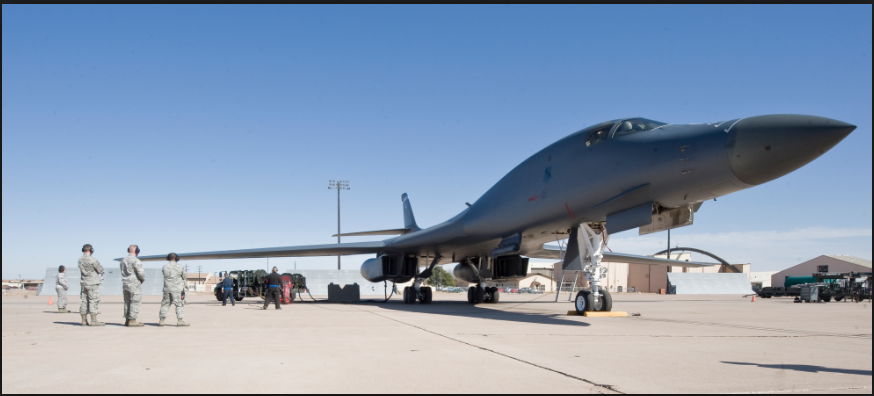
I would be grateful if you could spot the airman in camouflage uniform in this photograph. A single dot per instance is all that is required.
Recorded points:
(174, 283)
(61, 287)
(92, 273)
(132, 278)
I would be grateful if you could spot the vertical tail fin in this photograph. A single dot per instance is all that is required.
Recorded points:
(409, 219)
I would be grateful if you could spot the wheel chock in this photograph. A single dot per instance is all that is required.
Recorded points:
(615, 314)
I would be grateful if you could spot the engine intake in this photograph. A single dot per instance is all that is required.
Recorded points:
(390, 268)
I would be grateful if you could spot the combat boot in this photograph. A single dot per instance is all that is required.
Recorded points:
(134, 323)
(126, 321)
(181, 323)
(84, 321)
(94, 321)
(62, 310)
(161, 322)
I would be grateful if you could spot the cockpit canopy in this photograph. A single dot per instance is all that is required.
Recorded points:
(616, 129)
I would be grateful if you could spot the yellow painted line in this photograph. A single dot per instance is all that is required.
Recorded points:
(616, 314)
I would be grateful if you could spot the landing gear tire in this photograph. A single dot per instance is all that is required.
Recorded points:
(409, 298)
(218, 297)
(495, 296)
(841, 298)
(593, 306)
(426, 295)
(475, 295)
(238, 297)
(606, 301)
(581, 302)
(827, 298)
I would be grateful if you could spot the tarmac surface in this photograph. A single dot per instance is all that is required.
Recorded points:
(524, 344)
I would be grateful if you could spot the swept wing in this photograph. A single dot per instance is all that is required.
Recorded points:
(340, 249)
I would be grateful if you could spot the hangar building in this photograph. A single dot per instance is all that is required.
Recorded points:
(826, 263)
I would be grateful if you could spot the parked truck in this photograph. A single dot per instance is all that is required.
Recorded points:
(851, 286)
(247, 283)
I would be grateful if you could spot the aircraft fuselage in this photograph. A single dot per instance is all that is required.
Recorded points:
(581, 179)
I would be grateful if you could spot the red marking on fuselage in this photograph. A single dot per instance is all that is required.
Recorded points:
(569, 211)
(532, 198)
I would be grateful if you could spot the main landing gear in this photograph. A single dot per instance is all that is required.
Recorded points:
(417, 292)
(478, 294)
(423, 295)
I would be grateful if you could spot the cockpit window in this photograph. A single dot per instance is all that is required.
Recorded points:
(598, 134)
(636, 125)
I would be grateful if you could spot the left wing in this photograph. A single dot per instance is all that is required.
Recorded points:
(340, 249)
(550, 252)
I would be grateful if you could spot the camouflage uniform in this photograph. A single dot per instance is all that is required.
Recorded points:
(61, 287)
(132, 278)
(174, 282)
(91, 271)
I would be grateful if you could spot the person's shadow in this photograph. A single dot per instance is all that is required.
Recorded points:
(79, 324)
(805, 368)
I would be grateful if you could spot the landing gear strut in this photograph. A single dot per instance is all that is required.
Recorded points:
(593, 239)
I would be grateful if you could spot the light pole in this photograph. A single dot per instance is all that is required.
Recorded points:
(338, 185)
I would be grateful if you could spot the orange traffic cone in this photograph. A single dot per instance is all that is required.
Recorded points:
(754, 298)
(50, 301)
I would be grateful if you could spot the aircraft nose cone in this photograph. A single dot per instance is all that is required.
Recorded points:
(763, 148)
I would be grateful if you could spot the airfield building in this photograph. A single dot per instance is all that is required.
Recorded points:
(825, 263)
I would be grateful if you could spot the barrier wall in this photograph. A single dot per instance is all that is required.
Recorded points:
(692, 283)
(111, 286)
(318, 281)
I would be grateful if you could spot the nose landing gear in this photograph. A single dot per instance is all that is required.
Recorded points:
(586, 302)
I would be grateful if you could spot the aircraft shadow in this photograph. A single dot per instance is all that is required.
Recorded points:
(804, 368)
(495, 312)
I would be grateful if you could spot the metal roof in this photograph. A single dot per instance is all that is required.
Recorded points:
(851, 259)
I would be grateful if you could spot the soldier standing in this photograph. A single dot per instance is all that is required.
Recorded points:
(274, 285)
(61, 287)
(92, 273)
(174, 283)
(228, 290)
(132, 278)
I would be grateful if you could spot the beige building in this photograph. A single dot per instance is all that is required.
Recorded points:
(761, 279)
(643, 278)
(26, 284)
(825, 263)
(202, 281)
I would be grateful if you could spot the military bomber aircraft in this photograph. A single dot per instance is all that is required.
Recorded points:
(607, 178)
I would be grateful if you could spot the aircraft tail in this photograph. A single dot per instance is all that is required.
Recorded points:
(409, 219)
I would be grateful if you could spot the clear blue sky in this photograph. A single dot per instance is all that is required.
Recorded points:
(189, 128)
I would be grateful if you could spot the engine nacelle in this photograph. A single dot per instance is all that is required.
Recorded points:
(466, 273)
(398, 269)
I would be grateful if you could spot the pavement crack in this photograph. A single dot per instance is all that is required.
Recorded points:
(598, 387)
